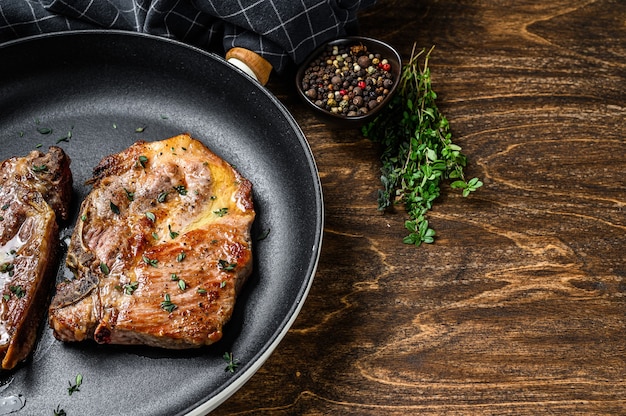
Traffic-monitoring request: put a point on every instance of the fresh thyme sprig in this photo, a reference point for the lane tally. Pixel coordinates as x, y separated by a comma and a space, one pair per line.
231, 362
418, 152
74, 387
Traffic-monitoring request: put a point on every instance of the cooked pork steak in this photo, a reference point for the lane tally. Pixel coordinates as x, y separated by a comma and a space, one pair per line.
160, 251
35, 194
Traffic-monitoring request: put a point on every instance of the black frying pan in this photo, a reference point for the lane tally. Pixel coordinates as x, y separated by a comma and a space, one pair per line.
103, 87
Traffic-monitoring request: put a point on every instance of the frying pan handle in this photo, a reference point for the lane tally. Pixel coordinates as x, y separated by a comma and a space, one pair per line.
260, 67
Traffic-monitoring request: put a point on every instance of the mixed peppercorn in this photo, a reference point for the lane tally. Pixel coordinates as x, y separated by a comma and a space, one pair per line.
347, 80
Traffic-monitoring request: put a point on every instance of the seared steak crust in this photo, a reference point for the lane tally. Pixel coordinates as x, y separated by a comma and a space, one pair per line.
160, 251
36, 192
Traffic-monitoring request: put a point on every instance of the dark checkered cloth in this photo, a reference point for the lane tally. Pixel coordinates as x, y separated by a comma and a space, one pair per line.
278, 30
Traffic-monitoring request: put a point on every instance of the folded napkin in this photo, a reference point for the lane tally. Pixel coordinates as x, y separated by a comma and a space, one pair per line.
281, 31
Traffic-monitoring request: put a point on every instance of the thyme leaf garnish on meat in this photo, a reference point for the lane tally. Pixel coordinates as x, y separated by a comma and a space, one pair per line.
7, 268
40, 168
74, 387
167, 304
231, 362
173, 234
162, 196
151, 216
224, 265
128, 288
142, 160
104, 269
114, 208
17, 290
181, 284
418, 153
149, 261
130, 195
221, 212
181, 256
181, 189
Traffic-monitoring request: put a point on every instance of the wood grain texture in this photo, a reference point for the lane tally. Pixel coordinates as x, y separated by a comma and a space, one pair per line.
520, 305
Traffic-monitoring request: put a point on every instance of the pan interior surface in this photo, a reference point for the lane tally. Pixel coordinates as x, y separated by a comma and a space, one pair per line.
95, 93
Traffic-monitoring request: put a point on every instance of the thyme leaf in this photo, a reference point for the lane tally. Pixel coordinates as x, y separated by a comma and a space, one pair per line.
114, 208
224, 265
7, 268
167, 304
104, 269
221, 212
17, 290
74, 387
231, 362
142, 160
129, 288
264, 234
181, 189
130, 195
149, 261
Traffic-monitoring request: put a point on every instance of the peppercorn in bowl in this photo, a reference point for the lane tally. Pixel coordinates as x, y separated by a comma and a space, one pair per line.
348, 81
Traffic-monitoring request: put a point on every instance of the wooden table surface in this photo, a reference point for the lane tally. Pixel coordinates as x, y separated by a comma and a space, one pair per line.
519, 307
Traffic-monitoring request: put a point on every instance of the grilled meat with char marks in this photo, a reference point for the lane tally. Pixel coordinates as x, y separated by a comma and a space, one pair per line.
160, 251
35, 195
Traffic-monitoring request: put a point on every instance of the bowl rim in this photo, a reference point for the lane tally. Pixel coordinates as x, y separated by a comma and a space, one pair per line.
341, 41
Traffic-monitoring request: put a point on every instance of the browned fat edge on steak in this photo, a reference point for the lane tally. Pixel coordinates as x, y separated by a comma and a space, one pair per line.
161, 250
35, 195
